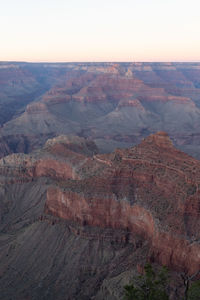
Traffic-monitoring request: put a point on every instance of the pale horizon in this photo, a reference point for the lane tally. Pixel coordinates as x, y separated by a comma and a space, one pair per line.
98, 61
99, 31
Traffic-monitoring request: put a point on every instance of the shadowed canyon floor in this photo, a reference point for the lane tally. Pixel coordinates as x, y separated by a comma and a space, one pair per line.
76, 224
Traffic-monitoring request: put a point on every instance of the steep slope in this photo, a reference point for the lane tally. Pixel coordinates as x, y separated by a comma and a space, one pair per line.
151, 190
113, 107
42, 257
76, 224
23, 83
18, 87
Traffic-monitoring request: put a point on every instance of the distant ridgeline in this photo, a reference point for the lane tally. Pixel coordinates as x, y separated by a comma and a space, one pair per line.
115, 104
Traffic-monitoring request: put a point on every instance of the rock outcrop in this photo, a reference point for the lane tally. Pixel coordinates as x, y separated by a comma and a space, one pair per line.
151, 191
76, 223
117, 105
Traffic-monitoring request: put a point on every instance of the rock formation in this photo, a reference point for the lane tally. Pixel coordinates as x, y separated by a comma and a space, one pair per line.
76, 223
117, 105
81, 222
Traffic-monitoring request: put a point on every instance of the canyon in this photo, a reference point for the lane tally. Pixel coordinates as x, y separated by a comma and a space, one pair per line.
76, 224
99, 174
115, 104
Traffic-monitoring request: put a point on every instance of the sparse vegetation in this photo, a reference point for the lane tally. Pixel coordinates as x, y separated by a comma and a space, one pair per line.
150, 286
153, 285
194, 291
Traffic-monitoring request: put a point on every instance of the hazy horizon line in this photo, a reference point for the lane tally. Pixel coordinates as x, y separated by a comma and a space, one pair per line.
103, 61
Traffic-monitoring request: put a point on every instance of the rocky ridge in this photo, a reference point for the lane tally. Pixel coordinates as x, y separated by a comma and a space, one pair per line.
146, 190
151, 191
115, 104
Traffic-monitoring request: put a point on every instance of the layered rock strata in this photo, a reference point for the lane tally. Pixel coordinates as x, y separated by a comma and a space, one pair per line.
151, 191
115, 104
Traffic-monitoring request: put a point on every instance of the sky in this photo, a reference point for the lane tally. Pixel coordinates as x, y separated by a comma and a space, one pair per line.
99, 30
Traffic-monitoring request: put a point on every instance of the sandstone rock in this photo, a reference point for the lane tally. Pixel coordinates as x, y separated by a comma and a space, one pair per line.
150, 190
86, 99
95, 220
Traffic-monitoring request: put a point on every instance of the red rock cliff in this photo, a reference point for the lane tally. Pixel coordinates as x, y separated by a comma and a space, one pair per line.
151, 190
